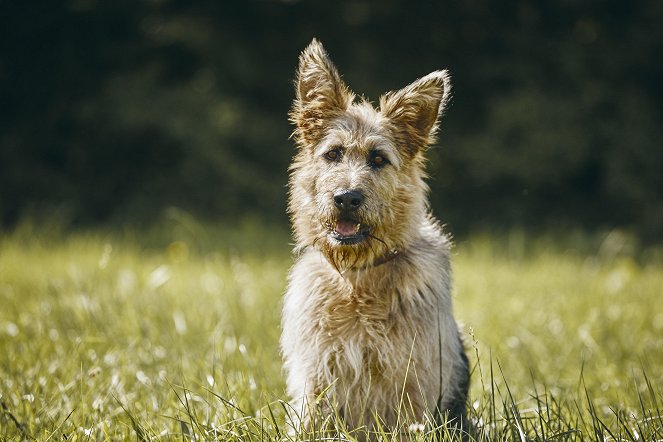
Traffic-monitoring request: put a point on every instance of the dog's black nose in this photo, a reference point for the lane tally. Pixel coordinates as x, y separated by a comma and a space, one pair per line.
348, 200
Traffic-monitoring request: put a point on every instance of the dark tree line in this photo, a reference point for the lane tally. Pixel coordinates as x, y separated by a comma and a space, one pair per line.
112, 111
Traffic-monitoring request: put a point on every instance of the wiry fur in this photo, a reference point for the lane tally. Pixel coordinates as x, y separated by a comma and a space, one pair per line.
368, 327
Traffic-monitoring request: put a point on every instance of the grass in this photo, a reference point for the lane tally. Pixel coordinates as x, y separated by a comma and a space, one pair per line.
173, 335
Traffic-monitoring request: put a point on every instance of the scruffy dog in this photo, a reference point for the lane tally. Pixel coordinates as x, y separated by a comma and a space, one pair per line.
368, 330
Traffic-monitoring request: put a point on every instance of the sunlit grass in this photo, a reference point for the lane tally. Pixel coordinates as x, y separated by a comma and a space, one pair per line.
569, 342
174, 335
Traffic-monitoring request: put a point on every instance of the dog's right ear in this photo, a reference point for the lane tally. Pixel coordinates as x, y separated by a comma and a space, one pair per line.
321, 95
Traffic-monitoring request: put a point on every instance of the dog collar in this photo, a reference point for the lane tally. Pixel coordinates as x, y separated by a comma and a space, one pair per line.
390, 256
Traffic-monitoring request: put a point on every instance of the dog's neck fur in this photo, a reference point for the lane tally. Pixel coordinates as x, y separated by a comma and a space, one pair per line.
388, 257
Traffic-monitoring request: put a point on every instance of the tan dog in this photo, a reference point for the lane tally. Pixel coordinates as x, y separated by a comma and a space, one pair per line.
368, 327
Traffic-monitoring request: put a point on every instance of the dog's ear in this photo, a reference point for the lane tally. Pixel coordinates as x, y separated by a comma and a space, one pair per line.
321, 94
416, 108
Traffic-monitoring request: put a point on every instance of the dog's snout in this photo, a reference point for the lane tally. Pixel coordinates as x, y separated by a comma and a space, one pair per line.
348, 200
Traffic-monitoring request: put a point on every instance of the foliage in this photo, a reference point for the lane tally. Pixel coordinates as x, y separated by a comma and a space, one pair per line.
118, 110
173, 335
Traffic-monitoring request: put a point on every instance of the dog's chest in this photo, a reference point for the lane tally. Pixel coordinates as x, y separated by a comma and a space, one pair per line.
358, 308
361, 332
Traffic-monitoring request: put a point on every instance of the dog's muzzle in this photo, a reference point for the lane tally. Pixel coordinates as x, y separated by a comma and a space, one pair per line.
348, 229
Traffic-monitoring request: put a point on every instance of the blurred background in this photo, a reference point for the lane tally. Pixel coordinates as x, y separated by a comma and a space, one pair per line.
113, 112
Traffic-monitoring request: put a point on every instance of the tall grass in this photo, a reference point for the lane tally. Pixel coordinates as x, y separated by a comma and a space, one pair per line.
173, 335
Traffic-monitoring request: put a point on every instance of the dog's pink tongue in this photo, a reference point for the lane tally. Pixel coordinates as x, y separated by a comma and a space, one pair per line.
347, 228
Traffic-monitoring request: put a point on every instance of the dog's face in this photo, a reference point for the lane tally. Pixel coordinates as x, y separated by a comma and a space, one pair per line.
356, 186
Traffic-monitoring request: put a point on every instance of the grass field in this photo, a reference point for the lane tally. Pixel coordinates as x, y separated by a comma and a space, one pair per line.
173, 335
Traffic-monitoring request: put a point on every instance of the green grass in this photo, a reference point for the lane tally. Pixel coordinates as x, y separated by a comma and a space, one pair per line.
173, 335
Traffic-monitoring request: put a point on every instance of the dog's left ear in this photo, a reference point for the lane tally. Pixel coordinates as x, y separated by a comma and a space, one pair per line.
321, 94
416, 108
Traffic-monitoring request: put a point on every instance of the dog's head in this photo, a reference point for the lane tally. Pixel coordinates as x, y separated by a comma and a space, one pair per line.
356, 185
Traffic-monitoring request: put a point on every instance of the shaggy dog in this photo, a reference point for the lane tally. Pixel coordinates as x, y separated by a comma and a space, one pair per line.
368, 333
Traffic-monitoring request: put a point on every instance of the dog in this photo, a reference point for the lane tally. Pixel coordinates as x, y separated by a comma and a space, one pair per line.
368, 333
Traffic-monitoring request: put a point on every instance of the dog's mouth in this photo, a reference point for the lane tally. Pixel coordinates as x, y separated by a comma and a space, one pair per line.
349, 231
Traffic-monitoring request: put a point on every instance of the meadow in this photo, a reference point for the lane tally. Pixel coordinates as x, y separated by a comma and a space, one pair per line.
172, 334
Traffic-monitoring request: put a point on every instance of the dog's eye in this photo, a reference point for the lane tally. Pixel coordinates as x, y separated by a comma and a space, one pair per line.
378, 160
333, 155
